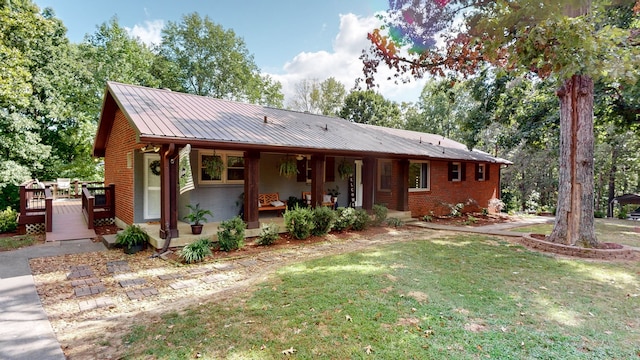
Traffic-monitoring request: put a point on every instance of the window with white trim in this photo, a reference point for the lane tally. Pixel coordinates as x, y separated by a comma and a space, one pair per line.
480, 172
455, 173
232, 168
384, 175
419, 176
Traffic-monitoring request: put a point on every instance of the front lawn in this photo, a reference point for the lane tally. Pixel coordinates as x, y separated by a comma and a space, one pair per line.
456, 297
626, 232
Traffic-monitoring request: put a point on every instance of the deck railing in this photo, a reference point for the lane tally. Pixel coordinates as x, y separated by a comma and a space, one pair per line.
98, 202
36, 206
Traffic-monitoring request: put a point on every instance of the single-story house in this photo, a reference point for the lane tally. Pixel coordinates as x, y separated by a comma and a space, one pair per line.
142, 132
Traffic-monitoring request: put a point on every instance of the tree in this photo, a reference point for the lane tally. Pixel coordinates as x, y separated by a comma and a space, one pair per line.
569, 41
326, 98
369, 107
201, 57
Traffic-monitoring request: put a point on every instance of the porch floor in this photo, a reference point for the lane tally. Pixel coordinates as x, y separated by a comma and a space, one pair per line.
210, 230
68, 222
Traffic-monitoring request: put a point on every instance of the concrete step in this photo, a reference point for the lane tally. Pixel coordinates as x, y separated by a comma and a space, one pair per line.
109, 241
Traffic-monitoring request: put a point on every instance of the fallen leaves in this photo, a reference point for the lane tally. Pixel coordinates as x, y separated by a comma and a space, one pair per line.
368, 349
289, 351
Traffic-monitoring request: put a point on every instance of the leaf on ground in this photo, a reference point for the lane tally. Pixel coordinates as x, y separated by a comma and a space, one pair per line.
348, 318
288, 351
368, 349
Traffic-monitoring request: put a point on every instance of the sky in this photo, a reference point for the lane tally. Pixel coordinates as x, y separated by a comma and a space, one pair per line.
291, 40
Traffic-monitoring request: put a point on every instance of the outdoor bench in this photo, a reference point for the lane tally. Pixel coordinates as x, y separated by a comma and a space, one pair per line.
271, 201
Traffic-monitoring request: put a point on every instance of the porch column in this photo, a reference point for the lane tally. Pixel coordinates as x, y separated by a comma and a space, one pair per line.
317, 178
251, 188
402, 186
168, 191
368, 182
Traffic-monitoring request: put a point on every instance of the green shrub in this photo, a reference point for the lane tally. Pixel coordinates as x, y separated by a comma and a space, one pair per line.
346, 217
323, 220
485, 211
427, 218
395, 222
269, 234
131, 236
622, 214
231, 234
8, 220
196, 251
598, 214
362, 220
294, 201
299, 222
379, 214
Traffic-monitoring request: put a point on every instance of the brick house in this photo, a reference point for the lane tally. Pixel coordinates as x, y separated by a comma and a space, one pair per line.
141, 131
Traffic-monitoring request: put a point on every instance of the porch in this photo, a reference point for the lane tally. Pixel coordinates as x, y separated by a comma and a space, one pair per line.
210, 229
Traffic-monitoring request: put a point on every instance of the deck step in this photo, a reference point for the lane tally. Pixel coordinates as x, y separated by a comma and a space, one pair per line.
109, 241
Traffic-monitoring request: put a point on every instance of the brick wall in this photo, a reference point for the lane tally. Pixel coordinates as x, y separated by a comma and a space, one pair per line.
118, 165
443, 192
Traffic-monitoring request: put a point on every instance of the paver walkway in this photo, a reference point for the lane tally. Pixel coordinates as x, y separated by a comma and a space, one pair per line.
25, 331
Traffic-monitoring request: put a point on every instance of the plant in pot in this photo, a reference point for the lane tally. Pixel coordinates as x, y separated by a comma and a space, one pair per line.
345, 169
334, 192
196, 217
132, 239
213, 166
288, 167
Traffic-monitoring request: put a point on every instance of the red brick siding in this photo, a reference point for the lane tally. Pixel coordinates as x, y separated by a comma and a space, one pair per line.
443, 192
122, 140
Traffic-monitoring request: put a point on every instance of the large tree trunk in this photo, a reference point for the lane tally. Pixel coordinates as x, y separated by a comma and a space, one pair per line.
574, 214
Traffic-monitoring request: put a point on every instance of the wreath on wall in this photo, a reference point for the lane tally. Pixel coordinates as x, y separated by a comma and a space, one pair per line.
155, 167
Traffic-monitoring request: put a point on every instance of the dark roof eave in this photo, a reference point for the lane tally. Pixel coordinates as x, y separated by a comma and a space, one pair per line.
237, 146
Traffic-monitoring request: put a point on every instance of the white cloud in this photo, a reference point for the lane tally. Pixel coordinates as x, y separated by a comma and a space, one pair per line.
150, 33
343, 63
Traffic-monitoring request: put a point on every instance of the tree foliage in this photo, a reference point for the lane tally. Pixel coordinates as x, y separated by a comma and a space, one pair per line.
369, 107
203, 58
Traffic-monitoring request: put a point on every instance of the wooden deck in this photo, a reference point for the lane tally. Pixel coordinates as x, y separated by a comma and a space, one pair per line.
68, 222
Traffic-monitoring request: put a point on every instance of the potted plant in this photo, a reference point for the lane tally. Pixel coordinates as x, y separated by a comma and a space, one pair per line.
213, 166
288, 167
132, 239
197, 217
345, 169
334, 192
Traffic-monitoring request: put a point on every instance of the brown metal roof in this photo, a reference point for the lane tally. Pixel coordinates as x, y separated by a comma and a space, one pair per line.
167, 116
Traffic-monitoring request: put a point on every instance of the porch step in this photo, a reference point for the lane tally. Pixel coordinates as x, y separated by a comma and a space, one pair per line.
109, 241
404, 216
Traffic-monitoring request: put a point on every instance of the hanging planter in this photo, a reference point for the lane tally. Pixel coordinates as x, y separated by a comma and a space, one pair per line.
288, 167
213, 166
345, 169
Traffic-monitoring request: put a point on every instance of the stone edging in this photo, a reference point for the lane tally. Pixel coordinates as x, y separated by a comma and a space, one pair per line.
626, 253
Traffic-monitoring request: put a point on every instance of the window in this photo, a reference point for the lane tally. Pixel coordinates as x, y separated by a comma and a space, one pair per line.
456, 171
419, 176
482, 172
384, 175
231, 165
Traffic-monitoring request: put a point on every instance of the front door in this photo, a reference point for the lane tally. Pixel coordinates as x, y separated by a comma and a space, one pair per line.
151, 186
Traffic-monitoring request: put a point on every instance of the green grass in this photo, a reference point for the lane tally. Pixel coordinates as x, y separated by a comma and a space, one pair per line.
626, 232
463, 297
15, 242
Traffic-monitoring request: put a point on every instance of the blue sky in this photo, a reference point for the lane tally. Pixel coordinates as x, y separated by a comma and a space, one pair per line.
290, 40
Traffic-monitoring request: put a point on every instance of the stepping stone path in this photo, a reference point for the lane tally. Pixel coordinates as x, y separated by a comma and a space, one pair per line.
79, 272
132, 282
118, 266
140, 293
95, 303
224, 266
169, 276
216, 278
248, 262
183, 284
